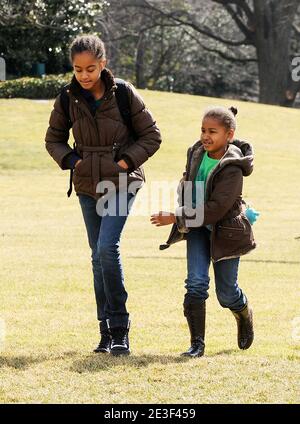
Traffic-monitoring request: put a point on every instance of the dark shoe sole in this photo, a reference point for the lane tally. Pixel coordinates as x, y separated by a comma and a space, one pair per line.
120, 352
189, 355
101, 351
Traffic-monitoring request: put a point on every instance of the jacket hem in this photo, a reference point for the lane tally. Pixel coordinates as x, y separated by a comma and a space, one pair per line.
83, 192
180, 220
234, 256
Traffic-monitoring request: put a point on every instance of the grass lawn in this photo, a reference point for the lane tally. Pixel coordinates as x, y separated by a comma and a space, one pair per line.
46, 296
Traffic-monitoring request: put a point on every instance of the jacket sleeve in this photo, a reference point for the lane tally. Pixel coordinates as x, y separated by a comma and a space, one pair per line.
221, 200
149, 137
57, 135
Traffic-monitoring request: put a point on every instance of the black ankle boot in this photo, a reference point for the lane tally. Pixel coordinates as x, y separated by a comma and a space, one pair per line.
244, 319
105, 340
120, 340
195, 315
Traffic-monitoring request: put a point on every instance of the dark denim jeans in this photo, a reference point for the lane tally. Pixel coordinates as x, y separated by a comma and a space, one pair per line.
104, 235
226, 272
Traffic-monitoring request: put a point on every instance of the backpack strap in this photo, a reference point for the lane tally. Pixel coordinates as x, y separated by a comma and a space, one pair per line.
65, 103
122, 97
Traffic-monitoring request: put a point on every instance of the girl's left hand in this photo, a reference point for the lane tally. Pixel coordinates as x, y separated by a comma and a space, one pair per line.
163, 218
122, 164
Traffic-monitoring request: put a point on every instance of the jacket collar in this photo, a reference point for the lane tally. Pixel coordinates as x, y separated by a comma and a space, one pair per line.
106, 76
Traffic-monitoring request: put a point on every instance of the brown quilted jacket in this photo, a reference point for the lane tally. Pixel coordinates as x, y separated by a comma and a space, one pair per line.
231, 234
101, 140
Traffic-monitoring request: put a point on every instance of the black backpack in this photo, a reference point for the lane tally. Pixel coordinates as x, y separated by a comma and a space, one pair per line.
122, 98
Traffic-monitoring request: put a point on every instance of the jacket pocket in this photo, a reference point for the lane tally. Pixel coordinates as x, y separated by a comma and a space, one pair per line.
230, 233
109, 166
119, 169
84, 168
82, 175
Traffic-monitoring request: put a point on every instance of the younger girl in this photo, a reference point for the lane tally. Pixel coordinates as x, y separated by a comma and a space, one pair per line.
224, 233
108, 147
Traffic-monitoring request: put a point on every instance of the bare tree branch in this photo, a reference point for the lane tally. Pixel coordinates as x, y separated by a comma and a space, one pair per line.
189, 21
245, 30
221, 53
242, 4
296, 29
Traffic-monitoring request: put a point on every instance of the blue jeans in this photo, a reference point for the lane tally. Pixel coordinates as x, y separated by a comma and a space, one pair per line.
104, 233
226, 272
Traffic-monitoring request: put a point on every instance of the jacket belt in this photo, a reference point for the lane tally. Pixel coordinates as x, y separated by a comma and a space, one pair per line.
100, 149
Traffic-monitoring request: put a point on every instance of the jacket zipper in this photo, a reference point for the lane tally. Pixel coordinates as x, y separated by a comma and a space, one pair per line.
211, 176
84, 107
188, 169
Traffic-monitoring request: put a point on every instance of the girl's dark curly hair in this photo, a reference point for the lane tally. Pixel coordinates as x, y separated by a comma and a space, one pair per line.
88, 43
226, 117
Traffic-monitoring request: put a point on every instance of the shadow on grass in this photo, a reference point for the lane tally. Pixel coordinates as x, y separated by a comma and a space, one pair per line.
264, 261
21, 362
100, 362
224, 352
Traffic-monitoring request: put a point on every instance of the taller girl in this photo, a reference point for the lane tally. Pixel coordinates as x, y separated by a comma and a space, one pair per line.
107, 145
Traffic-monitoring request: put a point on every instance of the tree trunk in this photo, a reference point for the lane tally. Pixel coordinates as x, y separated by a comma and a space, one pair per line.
274, 19
140, 62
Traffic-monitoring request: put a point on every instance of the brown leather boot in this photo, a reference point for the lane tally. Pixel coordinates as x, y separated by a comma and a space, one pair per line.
195, 315
244, 319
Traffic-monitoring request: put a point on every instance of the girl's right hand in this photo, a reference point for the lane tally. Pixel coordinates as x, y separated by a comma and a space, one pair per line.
163, 218
79, 160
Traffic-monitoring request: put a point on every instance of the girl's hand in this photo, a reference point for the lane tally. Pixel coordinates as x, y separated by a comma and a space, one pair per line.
163, 218
122, 164
79, 160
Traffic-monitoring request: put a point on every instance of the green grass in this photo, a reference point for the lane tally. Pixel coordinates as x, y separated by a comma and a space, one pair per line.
46, 294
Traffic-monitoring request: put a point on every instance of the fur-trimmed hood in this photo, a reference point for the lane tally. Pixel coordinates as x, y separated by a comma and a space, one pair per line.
239, 153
